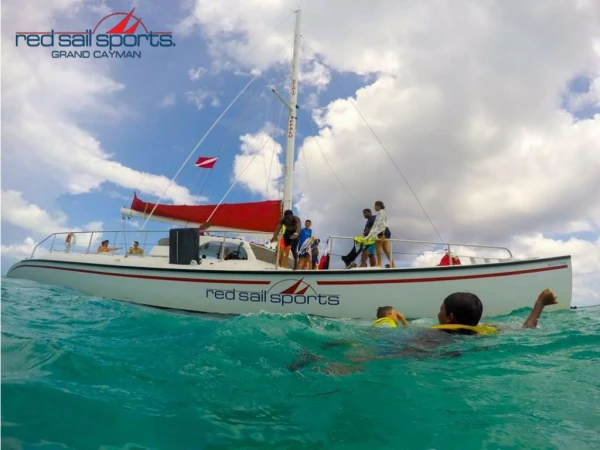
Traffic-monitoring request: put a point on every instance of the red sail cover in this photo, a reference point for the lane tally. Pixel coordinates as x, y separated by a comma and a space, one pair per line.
252, 216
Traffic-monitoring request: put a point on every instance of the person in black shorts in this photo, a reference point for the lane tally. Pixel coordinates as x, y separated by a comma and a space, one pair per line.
293, 225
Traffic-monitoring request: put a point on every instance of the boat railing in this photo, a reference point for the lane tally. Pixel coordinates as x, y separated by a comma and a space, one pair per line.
89, 241
152, 243
471, 253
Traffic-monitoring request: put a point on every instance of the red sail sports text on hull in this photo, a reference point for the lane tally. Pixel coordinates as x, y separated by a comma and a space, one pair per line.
252, 216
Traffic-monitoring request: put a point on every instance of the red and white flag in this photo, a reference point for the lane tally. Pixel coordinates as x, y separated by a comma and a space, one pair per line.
206, 162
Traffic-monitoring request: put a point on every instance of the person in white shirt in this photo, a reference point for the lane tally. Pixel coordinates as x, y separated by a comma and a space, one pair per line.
382, 232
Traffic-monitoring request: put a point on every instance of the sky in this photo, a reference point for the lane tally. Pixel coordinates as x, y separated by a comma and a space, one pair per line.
489, 110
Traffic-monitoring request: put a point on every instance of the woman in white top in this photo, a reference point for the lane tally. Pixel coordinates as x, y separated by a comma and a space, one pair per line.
381, 231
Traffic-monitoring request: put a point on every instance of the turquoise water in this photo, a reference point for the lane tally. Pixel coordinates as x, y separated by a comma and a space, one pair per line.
81, 372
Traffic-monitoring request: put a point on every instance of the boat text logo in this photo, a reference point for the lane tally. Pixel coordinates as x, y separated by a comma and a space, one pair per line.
117, 35
284, 292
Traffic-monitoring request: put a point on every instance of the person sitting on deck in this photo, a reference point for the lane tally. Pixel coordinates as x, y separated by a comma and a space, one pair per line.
135, 249
293, 226
104, 248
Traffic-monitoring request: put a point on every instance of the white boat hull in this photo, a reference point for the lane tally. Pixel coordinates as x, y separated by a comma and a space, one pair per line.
224, 289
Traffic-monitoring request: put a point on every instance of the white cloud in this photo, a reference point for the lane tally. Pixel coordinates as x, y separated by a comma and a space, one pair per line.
195, 73
200, 96
315, 74
466, 97
40, 223
17, 252
48, 146
585, 260
168, 100
258, 165
19, 212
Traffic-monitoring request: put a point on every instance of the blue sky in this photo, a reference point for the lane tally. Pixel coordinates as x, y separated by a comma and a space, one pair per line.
477, 133
157, 139
152, 137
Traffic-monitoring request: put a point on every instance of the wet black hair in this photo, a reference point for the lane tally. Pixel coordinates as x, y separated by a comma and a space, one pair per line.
465, 307
383, 311
288, 212
367, 210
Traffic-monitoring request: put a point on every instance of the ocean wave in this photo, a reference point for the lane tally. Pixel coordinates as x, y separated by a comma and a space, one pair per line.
83, 372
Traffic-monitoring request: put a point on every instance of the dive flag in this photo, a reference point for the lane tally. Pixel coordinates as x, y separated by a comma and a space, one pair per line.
206, 162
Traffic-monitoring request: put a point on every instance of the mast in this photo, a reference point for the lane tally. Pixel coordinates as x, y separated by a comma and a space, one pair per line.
292, 117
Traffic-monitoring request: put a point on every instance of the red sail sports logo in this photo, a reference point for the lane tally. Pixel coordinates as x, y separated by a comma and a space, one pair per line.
284, 292
117, 35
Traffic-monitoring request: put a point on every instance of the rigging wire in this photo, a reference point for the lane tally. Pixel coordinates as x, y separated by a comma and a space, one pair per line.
277, 124
237, 179
378, 140
342, 184
268, 117
227, 137
198, 145
329, 165
257, 75
260, 41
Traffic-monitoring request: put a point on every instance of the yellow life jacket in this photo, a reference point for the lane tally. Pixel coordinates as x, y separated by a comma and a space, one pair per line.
361, 240
477, 329
385, 320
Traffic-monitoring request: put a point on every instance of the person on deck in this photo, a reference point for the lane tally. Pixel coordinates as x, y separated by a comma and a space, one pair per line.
284, 250
369, 250
104, 248
293, 226
382, 232
305, 240
314, 250
135, 249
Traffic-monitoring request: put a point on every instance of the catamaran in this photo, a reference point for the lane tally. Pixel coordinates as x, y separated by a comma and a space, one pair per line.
223, 271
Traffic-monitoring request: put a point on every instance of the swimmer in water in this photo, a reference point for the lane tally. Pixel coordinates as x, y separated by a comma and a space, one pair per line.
388, 317
459, 314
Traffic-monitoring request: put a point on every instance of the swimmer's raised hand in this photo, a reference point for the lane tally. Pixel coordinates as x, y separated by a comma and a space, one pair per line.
547, 298
400, 317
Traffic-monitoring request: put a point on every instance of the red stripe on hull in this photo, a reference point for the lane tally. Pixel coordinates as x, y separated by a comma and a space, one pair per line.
147, 277
322, 283
433, 279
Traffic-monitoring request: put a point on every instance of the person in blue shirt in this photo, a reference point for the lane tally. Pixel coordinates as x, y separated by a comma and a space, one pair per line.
304, 246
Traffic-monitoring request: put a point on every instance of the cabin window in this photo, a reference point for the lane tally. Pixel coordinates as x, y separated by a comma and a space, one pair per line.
212, 250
